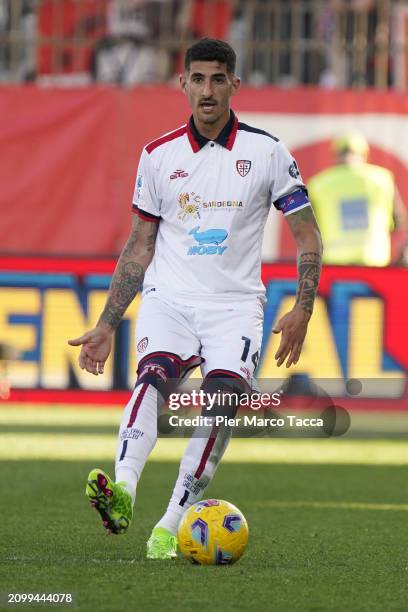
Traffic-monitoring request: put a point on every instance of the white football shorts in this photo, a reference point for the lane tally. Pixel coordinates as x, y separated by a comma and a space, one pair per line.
219, 336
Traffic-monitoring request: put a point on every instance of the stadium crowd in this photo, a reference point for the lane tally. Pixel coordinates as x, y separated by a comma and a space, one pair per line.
332, 43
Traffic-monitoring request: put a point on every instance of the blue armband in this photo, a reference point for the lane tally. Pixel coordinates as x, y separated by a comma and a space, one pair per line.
292, 201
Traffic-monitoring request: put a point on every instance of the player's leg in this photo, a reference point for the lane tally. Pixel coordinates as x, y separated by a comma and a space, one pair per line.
231, 340
137, 437
205, 449
164, 331
198, 465
156, 377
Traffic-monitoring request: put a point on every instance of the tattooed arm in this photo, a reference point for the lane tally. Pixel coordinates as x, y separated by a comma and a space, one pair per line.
130, 270
127, 280
293, 325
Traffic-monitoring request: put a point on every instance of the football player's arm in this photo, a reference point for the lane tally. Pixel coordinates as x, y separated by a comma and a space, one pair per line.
293, 325
126, 281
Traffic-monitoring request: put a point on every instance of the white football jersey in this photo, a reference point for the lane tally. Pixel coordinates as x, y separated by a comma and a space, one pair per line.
211, 199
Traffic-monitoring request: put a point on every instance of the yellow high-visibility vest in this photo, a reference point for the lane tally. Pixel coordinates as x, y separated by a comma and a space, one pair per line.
354, 209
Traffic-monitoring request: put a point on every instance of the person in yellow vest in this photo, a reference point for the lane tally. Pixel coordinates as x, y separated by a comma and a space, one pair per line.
357, 206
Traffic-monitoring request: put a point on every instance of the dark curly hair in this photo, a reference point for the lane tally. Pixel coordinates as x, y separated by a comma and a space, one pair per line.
209, 50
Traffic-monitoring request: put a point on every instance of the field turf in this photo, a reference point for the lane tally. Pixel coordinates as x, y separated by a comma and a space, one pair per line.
328, 522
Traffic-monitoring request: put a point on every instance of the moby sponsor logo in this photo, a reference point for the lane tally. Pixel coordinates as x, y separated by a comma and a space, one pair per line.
208, 241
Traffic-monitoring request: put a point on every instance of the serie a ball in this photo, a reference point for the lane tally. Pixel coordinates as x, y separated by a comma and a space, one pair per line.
213, 532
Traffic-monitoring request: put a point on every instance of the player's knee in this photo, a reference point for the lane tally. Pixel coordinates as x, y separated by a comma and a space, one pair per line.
224, 381
160, 371
224, 391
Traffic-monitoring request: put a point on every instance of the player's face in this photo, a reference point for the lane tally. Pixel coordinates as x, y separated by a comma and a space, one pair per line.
209, 88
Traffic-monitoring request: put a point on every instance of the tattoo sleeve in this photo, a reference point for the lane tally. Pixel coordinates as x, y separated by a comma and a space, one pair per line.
307, 236
309, 267
128, 277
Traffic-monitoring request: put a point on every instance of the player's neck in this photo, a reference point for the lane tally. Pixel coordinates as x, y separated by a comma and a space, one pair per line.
211, 130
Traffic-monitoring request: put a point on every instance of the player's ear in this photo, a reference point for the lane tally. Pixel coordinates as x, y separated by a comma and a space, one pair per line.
236, 84
183, 82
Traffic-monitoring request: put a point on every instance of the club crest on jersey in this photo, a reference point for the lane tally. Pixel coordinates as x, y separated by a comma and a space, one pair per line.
190, 205
178, 174
208, 241
243, 166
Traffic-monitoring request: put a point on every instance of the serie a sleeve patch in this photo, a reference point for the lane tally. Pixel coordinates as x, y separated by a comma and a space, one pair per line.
288, 203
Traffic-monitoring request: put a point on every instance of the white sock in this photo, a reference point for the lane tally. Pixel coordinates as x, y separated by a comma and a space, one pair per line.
171, 519
129, 478
197, 468
137, 435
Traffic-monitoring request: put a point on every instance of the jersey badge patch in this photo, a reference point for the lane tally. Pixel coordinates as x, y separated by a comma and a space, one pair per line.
243, 166
293, 170
139, 185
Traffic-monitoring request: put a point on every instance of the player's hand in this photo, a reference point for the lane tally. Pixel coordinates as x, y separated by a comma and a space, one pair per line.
95, 348
293, 327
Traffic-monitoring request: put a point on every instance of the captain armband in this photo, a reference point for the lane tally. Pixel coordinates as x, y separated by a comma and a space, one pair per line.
293, 201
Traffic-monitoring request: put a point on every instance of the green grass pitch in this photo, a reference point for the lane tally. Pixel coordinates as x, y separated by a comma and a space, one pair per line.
326, 534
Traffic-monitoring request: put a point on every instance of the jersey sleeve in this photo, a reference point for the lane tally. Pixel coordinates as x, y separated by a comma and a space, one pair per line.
288, 192
145, 200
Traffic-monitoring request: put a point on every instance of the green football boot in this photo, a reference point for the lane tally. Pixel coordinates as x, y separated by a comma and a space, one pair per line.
111, 500
162, 544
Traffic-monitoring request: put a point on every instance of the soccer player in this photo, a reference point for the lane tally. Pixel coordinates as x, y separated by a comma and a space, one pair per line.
202, 196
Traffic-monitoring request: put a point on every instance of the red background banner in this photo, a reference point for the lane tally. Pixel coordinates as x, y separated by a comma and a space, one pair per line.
69, 157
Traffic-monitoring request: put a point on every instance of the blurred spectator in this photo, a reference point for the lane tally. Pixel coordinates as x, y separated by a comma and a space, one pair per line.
68, 31
103, 39
127, 18
197, 19
204, 18
125, 56
276, 41
17, 59
239, 34
357, 206
352, 34
128, 61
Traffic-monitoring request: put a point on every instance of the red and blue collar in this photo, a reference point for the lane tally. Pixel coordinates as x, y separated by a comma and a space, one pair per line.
225, 138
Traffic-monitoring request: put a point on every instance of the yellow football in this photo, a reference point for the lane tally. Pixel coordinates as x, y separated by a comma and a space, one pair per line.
213, 532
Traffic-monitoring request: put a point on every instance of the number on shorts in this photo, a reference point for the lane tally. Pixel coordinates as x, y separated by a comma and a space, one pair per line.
247, 344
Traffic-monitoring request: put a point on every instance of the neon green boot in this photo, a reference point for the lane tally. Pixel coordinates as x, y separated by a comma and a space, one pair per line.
162, 544
111, 500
